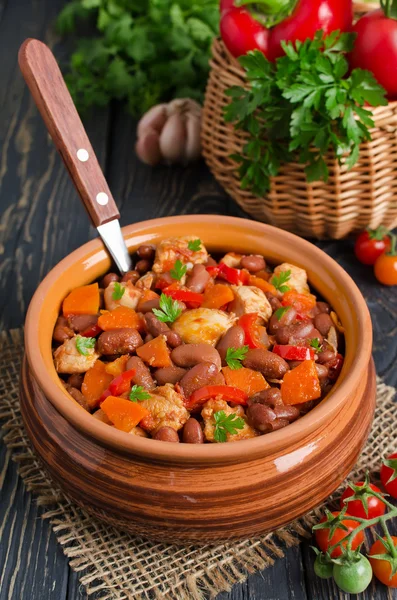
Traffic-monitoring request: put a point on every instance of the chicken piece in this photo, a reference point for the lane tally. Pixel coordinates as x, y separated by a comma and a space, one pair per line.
250, 299
298, 277
138, 431
166, 408
215, 405
203, 325
231, 259
130, 297
68, 359
170, 250
146, 281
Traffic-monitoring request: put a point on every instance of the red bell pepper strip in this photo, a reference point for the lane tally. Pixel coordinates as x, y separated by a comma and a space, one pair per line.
184, 296
272, 21
294, 352
92, 331
119, 385
231, 275
249, 322
227, 392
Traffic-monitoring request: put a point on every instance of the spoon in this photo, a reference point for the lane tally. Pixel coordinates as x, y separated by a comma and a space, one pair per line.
44, 79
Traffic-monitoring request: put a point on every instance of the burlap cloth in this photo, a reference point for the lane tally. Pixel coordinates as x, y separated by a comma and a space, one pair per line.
116, 565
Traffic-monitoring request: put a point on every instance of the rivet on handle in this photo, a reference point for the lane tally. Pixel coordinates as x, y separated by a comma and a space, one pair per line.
102, 198
82, 155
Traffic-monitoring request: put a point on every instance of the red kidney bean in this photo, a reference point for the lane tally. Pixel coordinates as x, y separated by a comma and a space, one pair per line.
278, 424
270, 396
273, 301
62, 331
260, 416
211, 262
269, 364
166, 434
316, 335
294, 363
291, 413
322, 372
143, 266
192, 432
109, 278
148, 338
199, 376
298, 330
253, 263
323, 323
145, 251
156, 328
149, 305
132, 276
323, 307
119, 341
286, 319
169, 375
80, 323
166, 279
142, 375
189, 355
77, 395
233, 338
325, 356
76, 380
198, 279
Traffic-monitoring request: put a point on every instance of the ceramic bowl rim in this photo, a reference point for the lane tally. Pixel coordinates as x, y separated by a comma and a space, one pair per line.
209, 453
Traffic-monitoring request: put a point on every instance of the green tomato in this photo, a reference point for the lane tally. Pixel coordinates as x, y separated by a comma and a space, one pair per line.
322, 569
355, 577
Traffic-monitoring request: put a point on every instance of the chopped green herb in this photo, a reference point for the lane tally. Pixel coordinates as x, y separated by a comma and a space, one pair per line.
234, 356
281, 311
138, 393
169, 309
315, 344
83, 344
280, 280
118, 291
225, 424
178, 271
194, 245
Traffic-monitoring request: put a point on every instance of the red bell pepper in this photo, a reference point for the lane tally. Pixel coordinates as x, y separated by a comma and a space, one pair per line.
227, 392
249, 322
92, 331
272, 21
191, 298
119, 385
294, 352
229, 274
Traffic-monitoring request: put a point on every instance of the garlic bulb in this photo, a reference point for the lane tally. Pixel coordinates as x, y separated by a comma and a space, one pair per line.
170, 133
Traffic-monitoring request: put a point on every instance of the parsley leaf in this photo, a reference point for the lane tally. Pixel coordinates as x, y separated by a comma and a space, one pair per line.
234, 356
118, 291
280, 280
225, 424
300, 108
83, 344
178, 271
281, 311
194, 245
315, 344
138, 393
169, 309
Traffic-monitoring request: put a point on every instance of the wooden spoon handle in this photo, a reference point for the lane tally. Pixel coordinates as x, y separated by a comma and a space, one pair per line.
46, 84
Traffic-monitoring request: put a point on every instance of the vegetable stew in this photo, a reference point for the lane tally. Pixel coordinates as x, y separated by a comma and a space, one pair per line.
189, 348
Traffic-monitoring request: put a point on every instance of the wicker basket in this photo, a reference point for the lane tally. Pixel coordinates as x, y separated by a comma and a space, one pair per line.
350, 200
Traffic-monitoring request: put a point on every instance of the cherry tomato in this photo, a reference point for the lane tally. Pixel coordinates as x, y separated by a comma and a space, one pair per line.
382, 568
385, 268
355, 577
376, 507
370, 244
324, 543
321, 568
388, 475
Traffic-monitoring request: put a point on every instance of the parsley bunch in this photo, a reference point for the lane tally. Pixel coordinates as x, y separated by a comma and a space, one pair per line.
146, 51
300, 107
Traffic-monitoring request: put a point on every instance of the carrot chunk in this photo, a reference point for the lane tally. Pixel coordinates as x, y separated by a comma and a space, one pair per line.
120, 317
96, 381
301, 384
262, 284
83, 300
123, 413
155, 353
303, 303
251, 382
118, 366
217, 295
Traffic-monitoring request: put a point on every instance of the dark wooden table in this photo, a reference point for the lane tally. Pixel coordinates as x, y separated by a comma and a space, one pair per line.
41, 221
